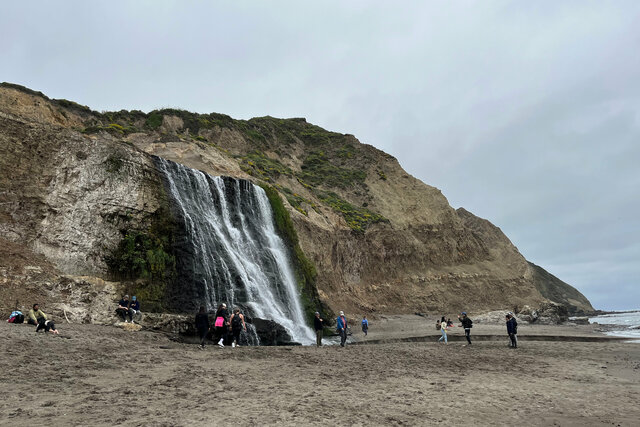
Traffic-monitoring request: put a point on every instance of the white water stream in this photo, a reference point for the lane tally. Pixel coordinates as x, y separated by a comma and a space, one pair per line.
236, 253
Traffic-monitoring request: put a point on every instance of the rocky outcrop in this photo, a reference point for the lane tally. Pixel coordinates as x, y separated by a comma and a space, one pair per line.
271, 333
560, 292
381, 241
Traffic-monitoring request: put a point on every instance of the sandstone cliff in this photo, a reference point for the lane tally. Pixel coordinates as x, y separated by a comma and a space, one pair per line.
73, 182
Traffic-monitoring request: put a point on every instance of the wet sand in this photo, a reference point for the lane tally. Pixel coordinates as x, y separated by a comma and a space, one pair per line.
103, 375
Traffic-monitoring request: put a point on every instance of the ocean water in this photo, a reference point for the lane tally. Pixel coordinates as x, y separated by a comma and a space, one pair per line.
629, 324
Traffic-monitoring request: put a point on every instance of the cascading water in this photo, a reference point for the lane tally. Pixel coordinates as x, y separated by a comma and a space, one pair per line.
230, 251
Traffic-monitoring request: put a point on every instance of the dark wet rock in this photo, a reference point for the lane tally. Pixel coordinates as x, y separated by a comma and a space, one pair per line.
271, 333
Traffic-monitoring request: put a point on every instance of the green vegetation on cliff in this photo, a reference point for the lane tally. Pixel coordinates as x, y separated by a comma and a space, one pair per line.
259, 165
145, 258
358, 219
317, 169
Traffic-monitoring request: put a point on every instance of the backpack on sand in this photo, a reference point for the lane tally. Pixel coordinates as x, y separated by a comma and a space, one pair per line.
16, 317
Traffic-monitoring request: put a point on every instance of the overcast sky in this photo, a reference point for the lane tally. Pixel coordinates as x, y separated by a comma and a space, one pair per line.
524, 113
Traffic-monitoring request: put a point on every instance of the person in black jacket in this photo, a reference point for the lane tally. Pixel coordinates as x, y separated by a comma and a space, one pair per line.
202, 326
467, 324
318, 326
512, 329
237, 326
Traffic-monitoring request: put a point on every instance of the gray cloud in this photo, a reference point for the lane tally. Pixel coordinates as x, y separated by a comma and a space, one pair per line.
525, 114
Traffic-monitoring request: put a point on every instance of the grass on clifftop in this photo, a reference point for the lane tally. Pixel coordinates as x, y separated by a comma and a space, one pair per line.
332, 162
317, 169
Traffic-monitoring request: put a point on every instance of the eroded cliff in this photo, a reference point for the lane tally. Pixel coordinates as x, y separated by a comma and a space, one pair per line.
381, 241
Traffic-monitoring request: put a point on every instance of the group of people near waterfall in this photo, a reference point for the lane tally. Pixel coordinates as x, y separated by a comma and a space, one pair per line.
228, 327
342, 328
225, 326
232, 326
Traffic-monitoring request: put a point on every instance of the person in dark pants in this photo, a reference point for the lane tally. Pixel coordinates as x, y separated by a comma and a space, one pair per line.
35, 315
237, 326
467, 324
341, 327
512, 329
318, 326
134, 309
38, 318
123, 309
202, 326
365, 325
222, 324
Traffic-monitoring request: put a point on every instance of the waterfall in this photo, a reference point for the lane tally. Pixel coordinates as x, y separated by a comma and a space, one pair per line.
229, 250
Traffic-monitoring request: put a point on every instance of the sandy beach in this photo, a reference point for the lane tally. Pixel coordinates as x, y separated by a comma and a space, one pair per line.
103, 375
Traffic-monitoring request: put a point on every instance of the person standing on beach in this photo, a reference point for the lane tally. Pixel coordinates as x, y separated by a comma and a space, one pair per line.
443, 330
318, 326
237, 326
341, 327
222, 324
512, 329
202, 325
365, 325
467, 324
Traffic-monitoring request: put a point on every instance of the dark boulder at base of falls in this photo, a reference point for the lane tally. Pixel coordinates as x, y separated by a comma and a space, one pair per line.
272, 333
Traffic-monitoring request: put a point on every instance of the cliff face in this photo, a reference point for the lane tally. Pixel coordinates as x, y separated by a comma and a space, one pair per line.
382, 241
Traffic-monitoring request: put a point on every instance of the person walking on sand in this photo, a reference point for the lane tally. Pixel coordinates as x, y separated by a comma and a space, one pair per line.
512, 329
365, 325
237, 326
467, 324
443, 330
222, 324
202, 325
318, 325
341, 327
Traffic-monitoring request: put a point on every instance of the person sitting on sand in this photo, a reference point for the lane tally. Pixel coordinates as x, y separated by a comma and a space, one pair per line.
134, 309
202, 325
341, 328
38, 318
467, 324
449, 323
512, 329
443, 330
237, 326
123, 309
365, 325
318, 326
222, 324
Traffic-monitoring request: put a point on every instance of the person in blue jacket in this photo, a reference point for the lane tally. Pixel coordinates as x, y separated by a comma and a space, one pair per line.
341, 328
365, 325
134, 309
512, 329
